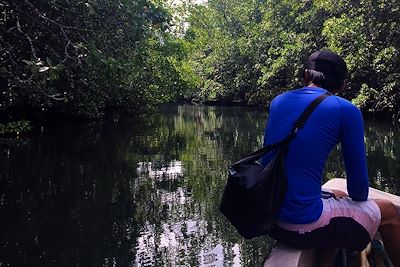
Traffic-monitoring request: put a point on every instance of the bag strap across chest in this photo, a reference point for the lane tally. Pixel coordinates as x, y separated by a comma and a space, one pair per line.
298, 124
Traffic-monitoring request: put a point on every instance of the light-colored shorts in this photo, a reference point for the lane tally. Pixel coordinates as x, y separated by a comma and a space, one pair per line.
344, 223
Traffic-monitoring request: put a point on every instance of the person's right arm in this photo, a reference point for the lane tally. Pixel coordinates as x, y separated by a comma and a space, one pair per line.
353, 149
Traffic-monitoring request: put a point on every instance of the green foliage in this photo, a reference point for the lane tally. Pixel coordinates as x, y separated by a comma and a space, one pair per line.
250, 51
15, 127
83, 57
368, 35
365, 96
80, 57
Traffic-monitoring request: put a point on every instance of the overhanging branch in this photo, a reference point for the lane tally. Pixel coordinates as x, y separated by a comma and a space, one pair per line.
26, 35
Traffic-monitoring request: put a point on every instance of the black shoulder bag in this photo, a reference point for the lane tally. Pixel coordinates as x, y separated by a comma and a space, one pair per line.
254, 193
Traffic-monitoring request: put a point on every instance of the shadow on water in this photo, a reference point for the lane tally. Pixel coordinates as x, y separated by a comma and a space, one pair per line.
142, 193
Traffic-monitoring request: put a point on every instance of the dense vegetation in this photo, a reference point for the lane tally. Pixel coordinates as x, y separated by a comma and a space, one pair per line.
250, 50
84, 57
80, 57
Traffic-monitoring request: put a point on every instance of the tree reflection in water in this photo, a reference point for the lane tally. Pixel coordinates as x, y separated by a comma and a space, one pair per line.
129, 193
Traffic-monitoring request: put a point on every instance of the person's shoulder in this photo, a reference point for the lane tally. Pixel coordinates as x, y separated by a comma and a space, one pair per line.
275, 101
351, 114
280, 97
346, 104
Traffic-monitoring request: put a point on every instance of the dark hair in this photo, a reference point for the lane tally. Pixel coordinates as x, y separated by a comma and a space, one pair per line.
326, 69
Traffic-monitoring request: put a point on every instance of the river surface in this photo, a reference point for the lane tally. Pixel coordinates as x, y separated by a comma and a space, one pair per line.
124, 192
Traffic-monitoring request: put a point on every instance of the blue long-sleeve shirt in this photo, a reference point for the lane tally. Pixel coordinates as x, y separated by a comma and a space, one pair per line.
334, 120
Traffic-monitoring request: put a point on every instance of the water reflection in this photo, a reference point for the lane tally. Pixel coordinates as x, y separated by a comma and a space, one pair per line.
130, 193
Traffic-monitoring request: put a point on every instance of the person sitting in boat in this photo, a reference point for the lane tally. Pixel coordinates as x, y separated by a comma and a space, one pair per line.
307, 217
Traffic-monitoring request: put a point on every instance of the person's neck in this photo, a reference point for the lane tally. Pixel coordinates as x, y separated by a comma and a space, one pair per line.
313, 85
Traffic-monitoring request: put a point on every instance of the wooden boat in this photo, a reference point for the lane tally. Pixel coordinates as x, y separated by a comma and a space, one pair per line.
282, 255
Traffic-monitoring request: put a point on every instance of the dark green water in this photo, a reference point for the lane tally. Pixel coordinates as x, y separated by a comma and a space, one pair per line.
126, 193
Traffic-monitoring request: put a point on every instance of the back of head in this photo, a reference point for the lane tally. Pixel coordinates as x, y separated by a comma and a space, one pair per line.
326, 69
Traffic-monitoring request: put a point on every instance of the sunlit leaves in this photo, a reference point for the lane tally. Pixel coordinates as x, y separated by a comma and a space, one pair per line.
368, 35
93, 55
15, 127
258, 47
109, 52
